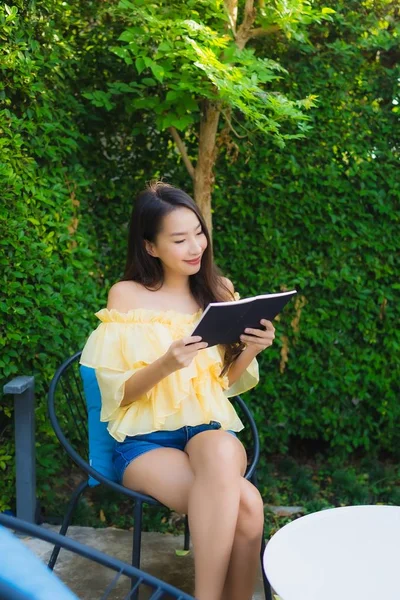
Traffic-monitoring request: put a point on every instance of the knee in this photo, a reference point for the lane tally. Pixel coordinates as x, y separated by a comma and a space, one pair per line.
219, 455
224, 457
227, 451
250, 523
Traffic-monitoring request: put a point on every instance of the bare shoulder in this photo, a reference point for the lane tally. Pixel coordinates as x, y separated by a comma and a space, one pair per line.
227, 285
124, 296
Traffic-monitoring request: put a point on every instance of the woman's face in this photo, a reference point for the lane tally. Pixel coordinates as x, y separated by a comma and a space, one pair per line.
181, 242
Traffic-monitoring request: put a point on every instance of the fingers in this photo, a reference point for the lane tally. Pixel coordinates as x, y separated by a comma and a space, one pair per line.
193, 339
259, 337
196, 347
267, 324
190, 346
268, 332
258, 341
257, 332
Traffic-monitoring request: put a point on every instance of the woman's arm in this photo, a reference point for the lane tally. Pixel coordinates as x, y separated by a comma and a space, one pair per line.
144, 380
240, 365
178, 355
256, 341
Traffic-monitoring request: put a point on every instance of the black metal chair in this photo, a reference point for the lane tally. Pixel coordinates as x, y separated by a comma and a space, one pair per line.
68, 416
18, 590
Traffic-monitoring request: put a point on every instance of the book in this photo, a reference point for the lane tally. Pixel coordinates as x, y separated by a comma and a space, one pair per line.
225, 322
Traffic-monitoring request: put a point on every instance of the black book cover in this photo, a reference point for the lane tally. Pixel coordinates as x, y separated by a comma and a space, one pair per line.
224, 322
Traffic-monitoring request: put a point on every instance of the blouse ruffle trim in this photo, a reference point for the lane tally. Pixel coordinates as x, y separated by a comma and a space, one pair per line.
146, 315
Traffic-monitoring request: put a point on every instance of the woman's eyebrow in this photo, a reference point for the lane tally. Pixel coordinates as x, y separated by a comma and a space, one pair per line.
184, 232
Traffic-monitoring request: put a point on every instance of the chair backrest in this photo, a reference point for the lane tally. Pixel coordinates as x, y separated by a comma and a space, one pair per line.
74, 404
101, 443
25, 577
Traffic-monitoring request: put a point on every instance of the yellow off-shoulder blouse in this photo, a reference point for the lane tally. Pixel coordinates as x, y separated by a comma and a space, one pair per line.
197, 394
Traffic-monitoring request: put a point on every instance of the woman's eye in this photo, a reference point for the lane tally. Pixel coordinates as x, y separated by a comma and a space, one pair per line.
180, 242
201, 233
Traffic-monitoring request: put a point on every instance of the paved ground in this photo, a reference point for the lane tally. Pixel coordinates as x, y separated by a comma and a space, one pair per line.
89, 580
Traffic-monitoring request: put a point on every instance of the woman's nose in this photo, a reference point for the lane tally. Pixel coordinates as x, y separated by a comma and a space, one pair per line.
195, 247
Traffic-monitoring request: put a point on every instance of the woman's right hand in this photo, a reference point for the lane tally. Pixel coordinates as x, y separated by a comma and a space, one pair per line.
181, 353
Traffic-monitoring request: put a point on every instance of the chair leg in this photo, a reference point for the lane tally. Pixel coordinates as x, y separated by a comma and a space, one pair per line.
267, 587
137, 541
67, 518
38, 513
186, 544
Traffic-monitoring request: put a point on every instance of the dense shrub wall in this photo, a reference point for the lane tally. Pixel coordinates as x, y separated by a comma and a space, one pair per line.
67, 175
46, 237
323, 216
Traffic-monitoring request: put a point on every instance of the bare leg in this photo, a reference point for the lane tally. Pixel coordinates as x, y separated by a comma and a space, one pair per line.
218, 460
167, 475
245, 557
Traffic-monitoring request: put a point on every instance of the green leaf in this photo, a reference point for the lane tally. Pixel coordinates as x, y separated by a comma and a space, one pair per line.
173, 95
140, 64
149, 81
165, 47
157, 71
122, 52
182, 552
128, 35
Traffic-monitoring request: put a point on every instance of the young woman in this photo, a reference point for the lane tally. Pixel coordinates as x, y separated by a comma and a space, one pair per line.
165, 393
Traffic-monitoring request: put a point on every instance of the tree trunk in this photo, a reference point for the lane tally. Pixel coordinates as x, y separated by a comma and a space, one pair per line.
207, 154
203, 174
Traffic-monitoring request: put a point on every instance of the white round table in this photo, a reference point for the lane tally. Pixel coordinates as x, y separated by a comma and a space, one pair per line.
349, 553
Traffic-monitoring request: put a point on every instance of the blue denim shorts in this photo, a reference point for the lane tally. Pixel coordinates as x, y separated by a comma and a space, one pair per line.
136, 445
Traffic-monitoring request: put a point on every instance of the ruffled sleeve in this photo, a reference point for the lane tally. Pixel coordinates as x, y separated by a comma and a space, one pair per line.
248, 379
110, 351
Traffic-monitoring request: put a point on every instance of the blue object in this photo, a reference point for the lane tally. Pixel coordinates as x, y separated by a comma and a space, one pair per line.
134, 446
25, 574
101, 443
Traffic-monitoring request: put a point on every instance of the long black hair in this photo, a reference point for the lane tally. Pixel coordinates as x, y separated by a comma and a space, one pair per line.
150, 207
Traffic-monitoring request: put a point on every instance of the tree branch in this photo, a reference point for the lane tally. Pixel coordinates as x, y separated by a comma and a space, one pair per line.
243, 33
259, 31
249, 14
248, 9
183, 152
231, 7
231, 127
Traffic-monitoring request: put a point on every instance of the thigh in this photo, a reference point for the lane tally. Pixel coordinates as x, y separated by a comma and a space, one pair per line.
216, 449
165, 474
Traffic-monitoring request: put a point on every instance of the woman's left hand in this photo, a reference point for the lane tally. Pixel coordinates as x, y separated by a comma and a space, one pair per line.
259, 339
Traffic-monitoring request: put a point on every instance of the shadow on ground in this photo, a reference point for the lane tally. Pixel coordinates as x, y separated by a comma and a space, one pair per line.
89, 580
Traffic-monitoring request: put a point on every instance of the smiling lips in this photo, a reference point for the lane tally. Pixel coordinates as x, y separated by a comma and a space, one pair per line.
193, 262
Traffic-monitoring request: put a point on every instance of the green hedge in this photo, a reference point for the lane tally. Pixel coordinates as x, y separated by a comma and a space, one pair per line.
49, 274
323, 217
67, 185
